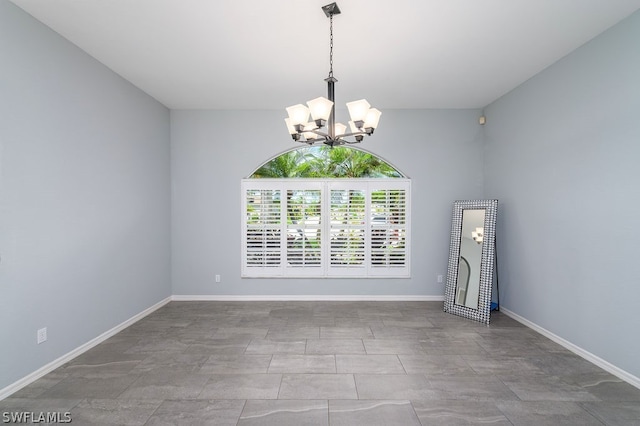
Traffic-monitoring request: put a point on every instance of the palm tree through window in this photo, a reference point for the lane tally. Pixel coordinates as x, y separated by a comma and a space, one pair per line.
326, 162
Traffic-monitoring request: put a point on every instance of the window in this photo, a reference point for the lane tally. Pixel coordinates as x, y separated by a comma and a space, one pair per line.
325, 227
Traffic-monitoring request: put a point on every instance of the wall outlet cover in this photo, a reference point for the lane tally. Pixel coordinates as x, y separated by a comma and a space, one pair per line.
42, 335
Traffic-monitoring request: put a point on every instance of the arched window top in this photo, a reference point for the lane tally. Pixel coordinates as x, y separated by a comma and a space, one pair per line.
326, 162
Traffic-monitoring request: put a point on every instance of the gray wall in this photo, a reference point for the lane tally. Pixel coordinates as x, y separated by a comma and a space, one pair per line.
562, 156
84, 197
441, 151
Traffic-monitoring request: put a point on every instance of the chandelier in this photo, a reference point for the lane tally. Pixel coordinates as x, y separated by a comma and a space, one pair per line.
322, 128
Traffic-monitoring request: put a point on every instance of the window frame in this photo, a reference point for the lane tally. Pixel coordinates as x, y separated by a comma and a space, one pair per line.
325, 269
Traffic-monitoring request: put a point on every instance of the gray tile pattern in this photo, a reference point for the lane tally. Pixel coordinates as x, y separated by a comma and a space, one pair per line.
328, 363
284, 413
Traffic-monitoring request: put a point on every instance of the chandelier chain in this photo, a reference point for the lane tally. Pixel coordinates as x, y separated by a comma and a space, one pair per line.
331, 45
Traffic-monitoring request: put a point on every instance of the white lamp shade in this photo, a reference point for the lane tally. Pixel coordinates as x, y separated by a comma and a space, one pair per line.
353, 127
298, 114
372, 118
290, 127
358, 109
310, 135
320, 108
340, 129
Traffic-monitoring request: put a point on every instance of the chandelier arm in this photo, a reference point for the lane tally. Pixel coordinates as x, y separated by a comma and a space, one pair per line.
346, 135
317, 132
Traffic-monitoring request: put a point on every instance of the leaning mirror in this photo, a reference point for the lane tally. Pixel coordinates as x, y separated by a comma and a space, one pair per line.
471, 259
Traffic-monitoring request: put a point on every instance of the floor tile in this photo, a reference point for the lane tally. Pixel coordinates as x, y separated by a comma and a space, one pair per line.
266, 346
563, 364
109, 412
197, 412
604, 386
37, 405
474, 388
547, 389
97, 362
392, 346
614, 413
314, 364
453, 346
399, 332
394, 386
242, 386
508, 346
104, 387
411, 322
293, 332
291, 311
228, 345
243, 332
436, 365
547, 413
369, 364
459, 413
157, 344
372, 413
161, 384
318, 386
345, 333
236, 364
284, 413
334, 346
358, 322
501, 365
176, 362
37, 388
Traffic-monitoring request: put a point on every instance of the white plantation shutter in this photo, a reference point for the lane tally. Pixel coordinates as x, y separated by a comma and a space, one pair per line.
262, 231
326, 227
388, 227
304, 229
348, 231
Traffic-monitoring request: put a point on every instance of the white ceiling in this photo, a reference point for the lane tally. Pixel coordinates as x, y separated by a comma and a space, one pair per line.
257, 54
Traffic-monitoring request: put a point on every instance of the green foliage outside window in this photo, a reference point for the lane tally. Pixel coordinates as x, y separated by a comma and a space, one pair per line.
326, 162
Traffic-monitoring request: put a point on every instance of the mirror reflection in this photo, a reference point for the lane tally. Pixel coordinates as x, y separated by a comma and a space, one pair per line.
468, 280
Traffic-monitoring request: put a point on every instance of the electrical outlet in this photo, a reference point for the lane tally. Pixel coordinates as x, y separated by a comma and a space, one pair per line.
440, 277
42, 335
217, 278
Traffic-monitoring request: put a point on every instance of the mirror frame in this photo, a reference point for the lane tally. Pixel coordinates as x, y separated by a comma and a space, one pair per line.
487, 263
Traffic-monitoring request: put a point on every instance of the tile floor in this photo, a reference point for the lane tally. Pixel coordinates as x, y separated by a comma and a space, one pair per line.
328, 363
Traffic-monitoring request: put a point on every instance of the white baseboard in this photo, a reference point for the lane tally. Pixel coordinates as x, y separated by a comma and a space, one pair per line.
607, 366
14, 387
306, 298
